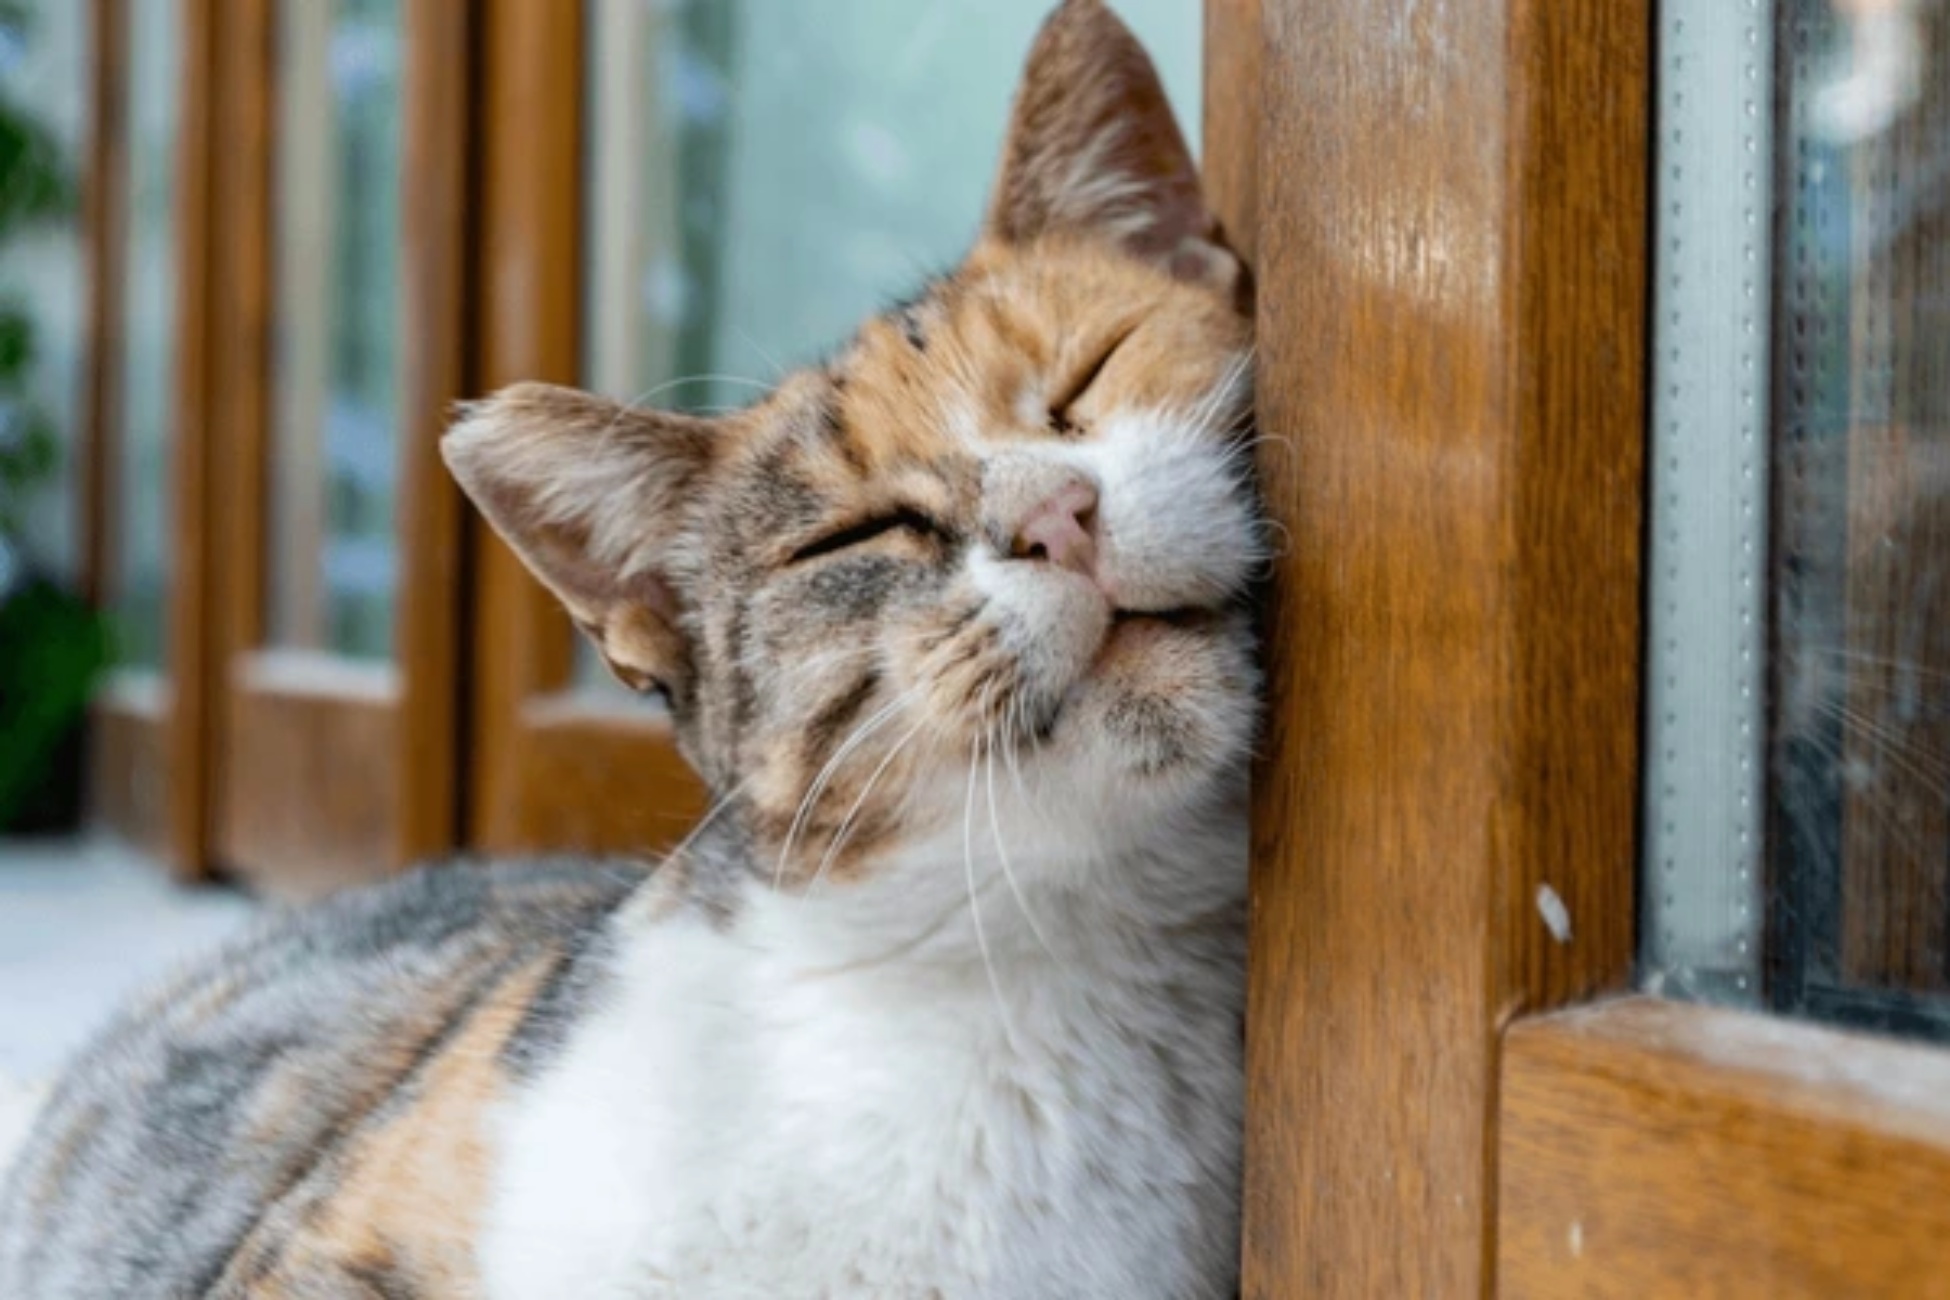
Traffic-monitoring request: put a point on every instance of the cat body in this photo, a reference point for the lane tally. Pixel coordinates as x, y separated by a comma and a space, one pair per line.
943, 996
870, 1121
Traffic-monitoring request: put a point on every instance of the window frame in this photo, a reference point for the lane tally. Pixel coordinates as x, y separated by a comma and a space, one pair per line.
147, 768
1455, 662
204, 764
386, 733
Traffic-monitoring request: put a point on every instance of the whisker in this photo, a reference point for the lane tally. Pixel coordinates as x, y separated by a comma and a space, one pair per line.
1886, 748
1891, 737
764, 356
1895, 662
743, 380
1002, 856
826, 774
975, 907
704, 822
846, 823
624, 408
1012, 757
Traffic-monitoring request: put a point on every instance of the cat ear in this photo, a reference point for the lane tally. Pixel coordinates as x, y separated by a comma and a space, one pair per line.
1094, 150
589, 494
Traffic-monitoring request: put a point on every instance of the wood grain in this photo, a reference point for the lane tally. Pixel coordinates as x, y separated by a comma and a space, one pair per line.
437, 196
1656, 1149
547, 771
244, 321
192, 608
1451, 258
242, 328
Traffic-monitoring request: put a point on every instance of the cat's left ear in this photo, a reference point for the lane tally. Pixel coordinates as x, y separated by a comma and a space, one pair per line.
1094, 150
591, 495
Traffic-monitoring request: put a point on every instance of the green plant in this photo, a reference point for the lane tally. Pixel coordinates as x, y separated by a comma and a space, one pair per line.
53, 647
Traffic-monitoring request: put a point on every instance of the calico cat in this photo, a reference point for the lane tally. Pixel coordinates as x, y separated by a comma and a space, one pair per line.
943, 997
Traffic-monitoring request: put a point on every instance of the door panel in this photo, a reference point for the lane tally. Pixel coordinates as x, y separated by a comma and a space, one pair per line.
342, 315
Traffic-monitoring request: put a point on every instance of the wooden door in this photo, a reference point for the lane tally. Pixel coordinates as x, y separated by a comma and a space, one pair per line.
142, 502
338, 321
1453, 1090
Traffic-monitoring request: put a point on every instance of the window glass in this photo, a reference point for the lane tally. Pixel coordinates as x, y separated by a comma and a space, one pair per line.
1860, 753
1798, 666
139, 510
335, 457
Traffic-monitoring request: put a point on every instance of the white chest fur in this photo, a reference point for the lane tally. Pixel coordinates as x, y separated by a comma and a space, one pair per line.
732, 1124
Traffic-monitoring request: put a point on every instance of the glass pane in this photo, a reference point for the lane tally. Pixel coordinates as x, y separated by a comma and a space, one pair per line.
1861, 748
335, 458
44, 60
1798, 721
140, 515
765, 173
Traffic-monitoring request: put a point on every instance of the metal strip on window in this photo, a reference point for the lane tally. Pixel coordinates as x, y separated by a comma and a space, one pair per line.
1706, 626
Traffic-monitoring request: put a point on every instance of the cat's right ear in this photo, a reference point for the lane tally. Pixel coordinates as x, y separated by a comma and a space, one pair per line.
589, 494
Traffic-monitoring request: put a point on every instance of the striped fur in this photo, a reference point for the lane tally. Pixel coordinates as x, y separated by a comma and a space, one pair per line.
943, 998
220, 1136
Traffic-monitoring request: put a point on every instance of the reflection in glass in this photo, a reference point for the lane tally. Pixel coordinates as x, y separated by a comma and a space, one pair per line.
1861, 746
42, 269
765, 173
139, 518
334, 459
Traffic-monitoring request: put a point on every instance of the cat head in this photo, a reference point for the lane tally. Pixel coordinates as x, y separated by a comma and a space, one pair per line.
1004, 538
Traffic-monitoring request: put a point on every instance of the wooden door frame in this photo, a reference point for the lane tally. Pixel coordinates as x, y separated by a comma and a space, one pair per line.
325, 773
553, 766
1449, 212
147, 768
1450, 231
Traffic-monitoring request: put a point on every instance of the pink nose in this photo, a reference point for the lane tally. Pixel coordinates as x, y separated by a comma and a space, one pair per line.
1060, 529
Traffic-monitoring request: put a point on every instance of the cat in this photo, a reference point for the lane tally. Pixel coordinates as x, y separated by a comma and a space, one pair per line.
943, 997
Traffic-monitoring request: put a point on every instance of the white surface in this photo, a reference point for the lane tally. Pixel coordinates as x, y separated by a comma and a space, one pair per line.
81, 927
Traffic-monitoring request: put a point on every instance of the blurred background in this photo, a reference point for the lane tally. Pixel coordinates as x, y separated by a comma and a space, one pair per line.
253, 649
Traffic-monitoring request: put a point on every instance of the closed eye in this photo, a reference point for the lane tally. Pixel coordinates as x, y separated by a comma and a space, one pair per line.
1073, 392
867, 530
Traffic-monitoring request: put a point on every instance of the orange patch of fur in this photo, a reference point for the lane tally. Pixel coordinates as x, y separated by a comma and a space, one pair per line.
408, 1203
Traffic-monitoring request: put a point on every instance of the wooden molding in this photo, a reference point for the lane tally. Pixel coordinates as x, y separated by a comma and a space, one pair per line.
192, 718
1451, 240
438, 199
1651, 1148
